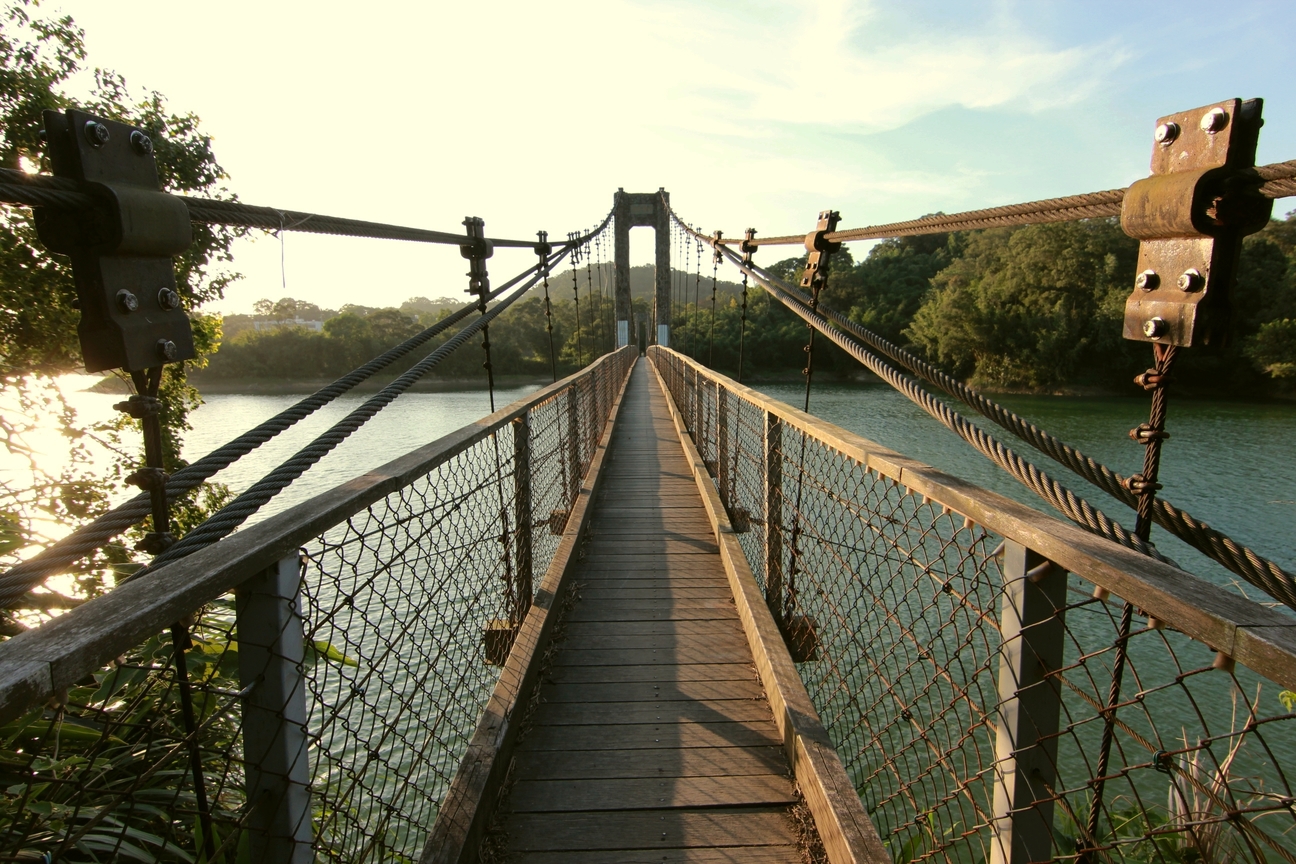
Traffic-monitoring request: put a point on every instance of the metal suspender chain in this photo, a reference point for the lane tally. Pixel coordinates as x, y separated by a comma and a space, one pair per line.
715, 273
542, 250
1190, 217
748, 249
477, 250
576, 257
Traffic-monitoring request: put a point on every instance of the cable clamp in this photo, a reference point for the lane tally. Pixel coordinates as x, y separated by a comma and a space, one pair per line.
139, 406
1145, 434
1152, 379
1140, 485
148, 479
156, 542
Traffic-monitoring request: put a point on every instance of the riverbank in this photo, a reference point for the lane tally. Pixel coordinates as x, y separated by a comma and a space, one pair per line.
288, 387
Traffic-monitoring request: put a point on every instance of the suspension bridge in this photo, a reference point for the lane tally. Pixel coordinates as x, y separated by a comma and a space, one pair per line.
648, 613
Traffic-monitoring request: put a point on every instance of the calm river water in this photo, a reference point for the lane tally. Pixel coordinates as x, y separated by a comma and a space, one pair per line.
1231, 464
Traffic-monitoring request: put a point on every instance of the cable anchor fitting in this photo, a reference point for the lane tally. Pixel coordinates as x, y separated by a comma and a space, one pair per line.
477, 250
1140, 485
820, 250
748, 246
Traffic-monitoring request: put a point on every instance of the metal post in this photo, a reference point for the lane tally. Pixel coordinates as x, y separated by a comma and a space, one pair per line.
271, 657
774, 514
573, 448
1033, 628
662, 226
699, 430
522, 511
722, 443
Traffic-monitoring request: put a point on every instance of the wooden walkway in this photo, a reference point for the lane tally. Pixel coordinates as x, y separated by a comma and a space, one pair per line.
654, 740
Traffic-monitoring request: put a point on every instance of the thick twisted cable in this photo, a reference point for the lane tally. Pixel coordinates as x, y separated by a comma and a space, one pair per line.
1265, 574
1261, 572
1279, 182
1072, 506
235, 513
26, 575
42, 190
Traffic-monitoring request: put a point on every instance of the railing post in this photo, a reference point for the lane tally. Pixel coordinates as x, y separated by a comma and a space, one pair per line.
722, 443
522, 510
573, 447
271, 657
774, 514
699, 429
1032, 625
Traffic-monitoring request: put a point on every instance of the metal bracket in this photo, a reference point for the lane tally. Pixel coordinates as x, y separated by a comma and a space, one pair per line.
717, 256
477, 250
131, 316
816, 271
1191, 215
748, 247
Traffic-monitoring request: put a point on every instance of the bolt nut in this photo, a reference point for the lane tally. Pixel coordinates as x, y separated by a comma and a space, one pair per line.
167, 349
96, 133
1214, 121
1148, 280
126, 301
1191, 280
141, 143
1154, 328
168, 299
1166, 133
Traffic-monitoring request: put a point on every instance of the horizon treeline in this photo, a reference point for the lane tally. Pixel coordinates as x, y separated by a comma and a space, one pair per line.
1035, 309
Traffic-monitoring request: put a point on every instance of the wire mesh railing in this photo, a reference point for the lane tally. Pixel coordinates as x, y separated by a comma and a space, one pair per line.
337, 658
960, 650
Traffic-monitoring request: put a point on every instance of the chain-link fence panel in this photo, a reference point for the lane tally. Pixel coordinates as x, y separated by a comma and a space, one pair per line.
324, 705
970, 685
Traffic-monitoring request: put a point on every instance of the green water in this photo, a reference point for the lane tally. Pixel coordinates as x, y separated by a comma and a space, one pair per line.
1230, 464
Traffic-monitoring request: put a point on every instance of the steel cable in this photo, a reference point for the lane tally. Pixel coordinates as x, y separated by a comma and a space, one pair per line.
1239, 559
1074, 507
235, 513
30, 573
1265, 574
1279, 182
42, 190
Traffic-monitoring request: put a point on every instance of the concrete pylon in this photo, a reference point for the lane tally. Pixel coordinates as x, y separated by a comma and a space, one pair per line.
647, 210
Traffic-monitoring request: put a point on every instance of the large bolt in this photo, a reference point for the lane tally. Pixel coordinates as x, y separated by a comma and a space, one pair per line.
167, 349
1154, 328
96, 133
1166, 133
1214, 120
126, 301
141, 143
168, 299
1148, 280
1191, 280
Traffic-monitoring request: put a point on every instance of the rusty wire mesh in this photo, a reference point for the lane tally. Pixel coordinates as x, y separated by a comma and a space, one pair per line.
895, 606
393, 609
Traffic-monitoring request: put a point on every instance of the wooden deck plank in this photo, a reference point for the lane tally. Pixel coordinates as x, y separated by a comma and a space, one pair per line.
625, 693
639, 793
612, 674
662, 829
652, 740
616, 714
689, 762
731, 855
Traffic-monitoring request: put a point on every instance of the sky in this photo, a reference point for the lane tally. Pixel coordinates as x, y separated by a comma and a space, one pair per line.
530, 115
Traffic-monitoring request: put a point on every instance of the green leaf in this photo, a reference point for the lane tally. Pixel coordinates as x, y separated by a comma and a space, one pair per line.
315, 649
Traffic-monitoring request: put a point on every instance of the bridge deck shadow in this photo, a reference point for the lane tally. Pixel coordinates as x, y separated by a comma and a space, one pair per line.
653, 740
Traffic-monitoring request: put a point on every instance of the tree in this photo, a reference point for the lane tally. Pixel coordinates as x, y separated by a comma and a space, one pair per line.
38, 314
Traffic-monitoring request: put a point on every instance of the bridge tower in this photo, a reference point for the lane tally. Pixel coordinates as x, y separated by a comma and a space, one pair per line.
650, 210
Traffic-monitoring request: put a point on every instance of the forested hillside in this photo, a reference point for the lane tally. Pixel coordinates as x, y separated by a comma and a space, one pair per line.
1033, 309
